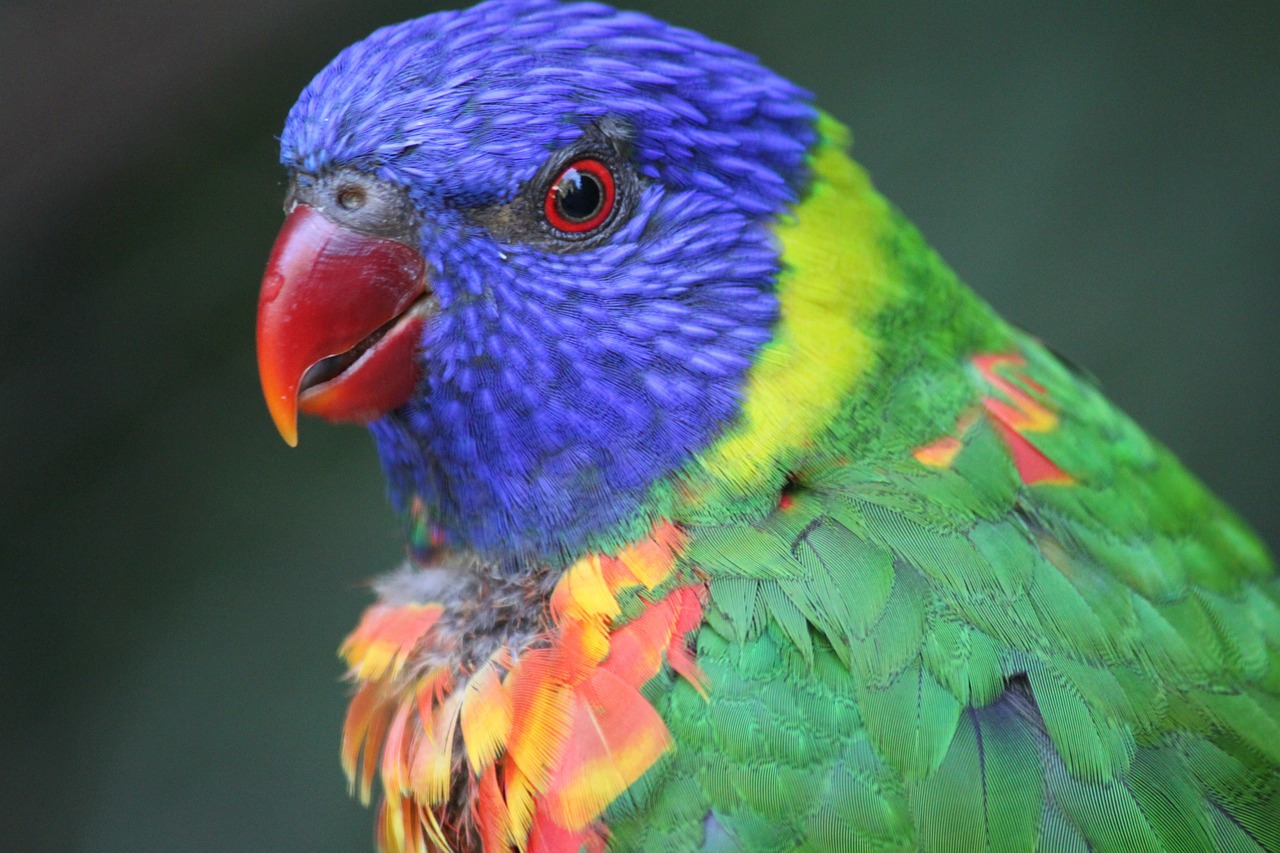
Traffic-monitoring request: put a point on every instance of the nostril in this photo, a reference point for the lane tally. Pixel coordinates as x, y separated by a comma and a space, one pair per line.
351, 198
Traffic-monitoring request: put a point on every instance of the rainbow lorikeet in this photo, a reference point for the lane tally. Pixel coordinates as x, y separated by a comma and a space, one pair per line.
735, 521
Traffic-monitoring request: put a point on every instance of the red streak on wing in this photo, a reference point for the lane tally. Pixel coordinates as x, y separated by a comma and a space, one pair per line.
1013, 414
1034, 468
940, 453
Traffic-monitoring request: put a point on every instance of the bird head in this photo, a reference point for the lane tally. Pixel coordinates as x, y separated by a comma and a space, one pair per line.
529, 244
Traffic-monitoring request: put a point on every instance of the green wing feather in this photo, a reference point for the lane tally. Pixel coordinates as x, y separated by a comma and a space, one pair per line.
910, 656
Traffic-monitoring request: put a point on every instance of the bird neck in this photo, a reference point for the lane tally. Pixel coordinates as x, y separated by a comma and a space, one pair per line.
868, 353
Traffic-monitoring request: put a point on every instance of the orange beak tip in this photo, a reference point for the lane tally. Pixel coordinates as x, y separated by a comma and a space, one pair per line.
284, 414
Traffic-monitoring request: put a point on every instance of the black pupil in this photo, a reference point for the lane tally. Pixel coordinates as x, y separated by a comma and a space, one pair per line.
579, 195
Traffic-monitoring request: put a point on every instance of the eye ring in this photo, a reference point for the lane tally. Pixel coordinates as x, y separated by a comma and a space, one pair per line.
581, 198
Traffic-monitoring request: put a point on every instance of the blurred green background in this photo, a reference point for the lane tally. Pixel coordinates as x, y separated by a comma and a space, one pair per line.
177, 580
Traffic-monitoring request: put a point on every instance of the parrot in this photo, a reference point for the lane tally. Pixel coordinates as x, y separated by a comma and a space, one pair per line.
734, 520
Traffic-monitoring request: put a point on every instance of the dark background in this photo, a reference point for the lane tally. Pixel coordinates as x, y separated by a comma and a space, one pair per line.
176, 579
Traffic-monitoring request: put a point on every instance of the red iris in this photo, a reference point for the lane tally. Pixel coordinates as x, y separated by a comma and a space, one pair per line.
581, 197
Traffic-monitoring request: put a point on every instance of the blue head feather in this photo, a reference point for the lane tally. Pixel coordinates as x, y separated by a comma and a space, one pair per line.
557, 387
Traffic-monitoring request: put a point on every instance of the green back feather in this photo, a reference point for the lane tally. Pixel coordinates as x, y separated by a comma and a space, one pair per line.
913, 657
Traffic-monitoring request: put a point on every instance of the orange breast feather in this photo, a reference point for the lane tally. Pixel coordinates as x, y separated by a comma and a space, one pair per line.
526, 749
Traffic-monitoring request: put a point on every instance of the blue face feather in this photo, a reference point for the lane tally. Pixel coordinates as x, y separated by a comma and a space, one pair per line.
561, 378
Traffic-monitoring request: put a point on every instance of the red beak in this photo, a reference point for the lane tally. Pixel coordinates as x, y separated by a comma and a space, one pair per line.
340, 316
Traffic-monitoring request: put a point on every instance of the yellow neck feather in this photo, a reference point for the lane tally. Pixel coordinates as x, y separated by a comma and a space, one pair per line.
834, 281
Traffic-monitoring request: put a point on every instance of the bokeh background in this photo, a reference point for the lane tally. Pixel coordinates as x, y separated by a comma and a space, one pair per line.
176, 580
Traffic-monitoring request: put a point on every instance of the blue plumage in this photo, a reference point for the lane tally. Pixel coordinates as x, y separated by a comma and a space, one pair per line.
558, 384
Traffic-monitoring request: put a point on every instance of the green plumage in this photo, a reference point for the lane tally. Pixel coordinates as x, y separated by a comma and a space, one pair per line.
947, 657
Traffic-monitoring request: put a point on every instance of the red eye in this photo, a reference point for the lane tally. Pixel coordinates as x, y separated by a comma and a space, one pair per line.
581, 197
